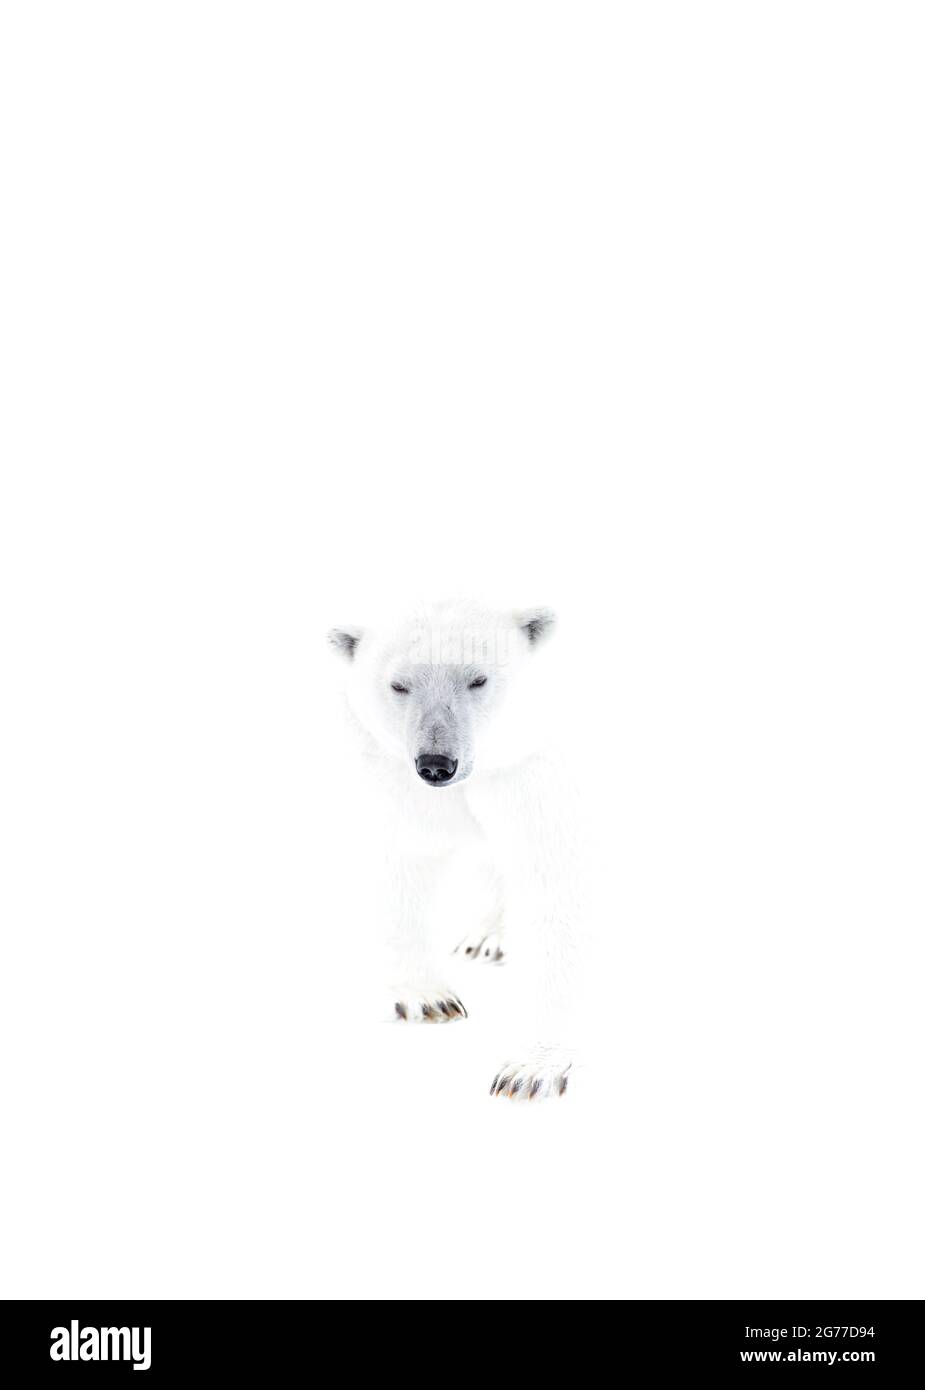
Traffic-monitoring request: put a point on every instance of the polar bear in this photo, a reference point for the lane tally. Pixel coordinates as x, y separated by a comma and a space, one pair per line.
441, 703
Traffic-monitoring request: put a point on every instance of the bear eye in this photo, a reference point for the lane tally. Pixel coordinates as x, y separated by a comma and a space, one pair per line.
478, 682
399, 689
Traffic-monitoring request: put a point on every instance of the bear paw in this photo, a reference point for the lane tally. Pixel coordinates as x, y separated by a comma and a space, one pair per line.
429, 1006
478, 946
538, 1075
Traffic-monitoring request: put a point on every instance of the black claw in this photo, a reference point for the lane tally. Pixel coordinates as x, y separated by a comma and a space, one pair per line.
465, 1012
516, 1087
503, 1083
427, 1011
562, 1085
443, 1008
401, 1011
535, 1087
493, 1085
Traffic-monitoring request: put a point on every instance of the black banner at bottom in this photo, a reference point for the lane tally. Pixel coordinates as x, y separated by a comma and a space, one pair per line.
286, 1340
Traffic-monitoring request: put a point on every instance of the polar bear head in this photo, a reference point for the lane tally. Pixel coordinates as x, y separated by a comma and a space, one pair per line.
432, 688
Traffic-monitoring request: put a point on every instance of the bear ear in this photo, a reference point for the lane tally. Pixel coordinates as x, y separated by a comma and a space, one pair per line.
536, 624
345, 639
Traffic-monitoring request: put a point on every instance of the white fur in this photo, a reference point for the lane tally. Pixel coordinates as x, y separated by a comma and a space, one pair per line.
512, 801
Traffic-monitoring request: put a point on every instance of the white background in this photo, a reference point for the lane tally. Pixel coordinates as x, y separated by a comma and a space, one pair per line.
613, 307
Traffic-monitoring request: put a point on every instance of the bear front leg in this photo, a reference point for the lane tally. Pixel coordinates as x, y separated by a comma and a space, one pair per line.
539, 1067
486, 943
419, 993
529, 817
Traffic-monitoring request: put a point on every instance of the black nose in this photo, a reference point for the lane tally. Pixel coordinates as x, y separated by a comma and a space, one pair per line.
435, 768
